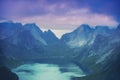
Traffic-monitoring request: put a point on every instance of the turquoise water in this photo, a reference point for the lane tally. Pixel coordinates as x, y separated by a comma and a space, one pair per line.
47, 72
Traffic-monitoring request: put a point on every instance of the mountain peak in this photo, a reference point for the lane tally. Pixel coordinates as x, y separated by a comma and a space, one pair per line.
6, 21
83, 27
10, 23
48, 31
33, 27
50, 37
30, 24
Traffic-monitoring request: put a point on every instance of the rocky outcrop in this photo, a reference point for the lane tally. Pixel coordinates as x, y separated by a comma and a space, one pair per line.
6, 74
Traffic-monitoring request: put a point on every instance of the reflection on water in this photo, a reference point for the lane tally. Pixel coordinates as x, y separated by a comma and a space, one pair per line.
47, 72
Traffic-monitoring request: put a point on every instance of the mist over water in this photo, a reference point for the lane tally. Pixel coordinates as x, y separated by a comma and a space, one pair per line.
46, 72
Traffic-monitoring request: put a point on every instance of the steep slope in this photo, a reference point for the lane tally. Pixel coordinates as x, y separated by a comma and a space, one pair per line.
35, 31
110, 70
8, 29
50, 37
85, 35
27, 41
98, 53
17, 40
6, 74
79, 37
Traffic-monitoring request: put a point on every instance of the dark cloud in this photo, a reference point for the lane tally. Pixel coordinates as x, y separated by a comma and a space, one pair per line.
26, 8
108, 7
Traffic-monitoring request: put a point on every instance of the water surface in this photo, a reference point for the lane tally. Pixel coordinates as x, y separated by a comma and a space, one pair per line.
39, 71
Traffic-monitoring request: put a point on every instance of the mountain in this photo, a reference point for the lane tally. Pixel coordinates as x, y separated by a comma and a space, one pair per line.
108, 71
28, 40
50, 37
6, 74
2, 58
79, 37
85, 35
94, 50
8, 29
35, 31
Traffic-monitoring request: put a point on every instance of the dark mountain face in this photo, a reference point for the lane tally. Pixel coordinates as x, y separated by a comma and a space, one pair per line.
2, 58
108, 71
6, 74
50, 37
9, 29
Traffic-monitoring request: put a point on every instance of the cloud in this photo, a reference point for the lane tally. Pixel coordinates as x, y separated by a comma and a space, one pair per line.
62, 14
71, 19
25, 8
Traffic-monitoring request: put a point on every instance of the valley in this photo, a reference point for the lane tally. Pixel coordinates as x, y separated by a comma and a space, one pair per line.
92, 53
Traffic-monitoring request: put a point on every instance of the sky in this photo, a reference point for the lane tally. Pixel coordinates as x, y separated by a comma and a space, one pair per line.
61, 15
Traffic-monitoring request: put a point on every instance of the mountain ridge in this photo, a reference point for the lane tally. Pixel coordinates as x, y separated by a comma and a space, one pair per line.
91, 48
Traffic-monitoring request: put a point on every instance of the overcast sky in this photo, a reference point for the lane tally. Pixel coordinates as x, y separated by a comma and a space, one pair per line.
61, 14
